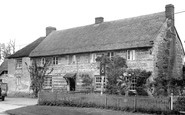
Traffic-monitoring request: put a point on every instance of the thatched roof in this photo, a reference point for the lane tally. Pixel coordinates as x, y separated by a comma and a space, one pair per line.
4, 66
120, 34
25, 52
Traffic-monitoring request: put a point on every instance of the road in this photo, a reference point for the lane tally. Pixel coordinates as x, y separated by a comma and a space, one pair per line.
13, 103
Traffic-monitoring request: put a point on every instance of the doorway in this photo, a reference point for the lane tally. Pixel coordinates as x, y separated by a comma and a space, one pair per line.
72, 84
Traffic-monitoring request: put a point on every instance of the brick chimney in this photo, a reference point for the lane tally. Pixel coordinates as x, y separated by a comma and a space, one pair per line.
49, 30
98, 20
169, 12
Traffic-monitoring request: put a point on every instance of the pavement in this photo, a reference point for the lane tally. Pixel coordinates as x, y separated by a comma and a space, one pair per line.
14, 103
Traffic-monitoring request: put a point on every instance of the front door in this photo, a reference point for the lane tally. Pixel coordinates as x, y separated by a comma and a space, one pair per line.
72, 84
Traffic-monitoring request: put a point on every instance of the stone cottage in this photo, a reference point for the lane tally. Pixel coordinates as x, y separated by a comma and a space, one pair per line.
149, 42
18, 78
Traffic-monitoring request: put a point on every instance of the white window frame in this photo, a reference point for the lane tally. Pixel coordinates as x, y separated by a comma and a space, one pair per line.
48, 82
55, 60
43, 61
74, 59
18, 80
130, 54
99, 82
93, 58
19, 63
133, 84
110, 54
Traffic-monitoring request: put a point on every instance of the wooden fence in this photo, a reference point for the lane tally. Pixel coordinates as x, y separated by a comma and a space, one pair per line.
141, 102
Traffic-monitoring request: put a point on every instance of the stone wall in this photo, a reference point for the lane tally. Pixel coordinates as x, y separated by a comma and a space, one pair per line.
143, 60
164, 52
18, 79
179, 55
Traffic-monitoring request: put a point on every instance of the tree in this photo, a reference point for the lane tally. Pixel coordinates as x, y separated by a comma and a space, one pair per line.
114, 68
7, 49
120, 78
37, 75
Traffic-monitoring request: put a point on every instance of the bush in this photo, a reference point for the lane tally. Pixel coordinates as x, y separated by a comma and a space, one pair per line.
141, 92
180, 104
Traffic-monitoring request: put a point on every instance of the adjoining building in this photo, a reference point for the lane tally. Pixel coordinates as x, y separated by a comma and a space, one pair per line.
18, 77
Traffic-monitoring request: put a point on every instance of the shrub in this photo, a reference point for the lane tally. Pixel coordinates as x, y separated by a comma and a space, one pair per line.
180, 104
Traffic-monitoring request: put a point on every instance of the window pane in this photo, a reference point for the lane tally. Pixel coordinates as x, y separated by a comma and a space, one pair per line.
19, 63
56, 60
70, 59
128, 55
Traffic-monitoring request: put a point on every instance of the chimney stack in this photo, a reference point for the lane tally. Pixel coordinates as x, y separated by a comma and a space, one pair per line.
49, 30
169, 12
98, 20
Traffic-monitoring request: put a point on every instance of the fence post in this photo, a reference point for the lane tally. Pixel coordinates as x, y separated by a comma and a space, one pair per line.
105, 100
171, 101
135, 103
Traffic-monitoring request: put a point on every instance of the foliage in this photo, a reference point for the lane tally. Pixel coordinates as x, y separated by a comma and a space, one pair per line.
87, 82
7, 49
165, 86
180, 103
139, 76
114, 68
119, 78
37, 75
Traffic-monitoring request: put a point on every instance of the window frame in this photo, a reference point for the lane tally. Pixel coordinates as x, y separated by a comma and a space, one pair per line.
19, 63
133, 84
99, 82
47, 82
43, 61
55, 60
130, 54
110, 54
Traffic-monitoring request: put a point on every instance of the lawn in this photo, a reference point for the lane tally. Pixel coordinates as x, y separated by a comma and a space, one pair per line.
55, 110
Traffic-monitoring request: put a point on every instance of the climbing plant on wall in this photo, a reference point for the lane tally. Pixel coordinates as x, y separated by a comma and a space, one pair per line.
37, 75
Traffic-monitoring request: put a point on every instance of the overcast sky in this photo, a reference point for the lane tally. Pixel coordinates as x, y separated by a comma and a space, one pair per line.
26, 20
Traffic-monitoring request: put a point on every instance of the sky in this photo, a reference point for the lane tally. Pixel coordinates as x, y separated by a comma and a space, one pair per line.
25, 20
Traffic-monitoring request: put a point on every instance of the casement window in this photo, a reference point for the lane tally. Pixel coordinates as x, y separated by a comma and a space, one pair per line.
110, 54
130, 54
133, 84
72, 59
18, 63
93, 58
43, 61
48, 82
98, 82
18, 80
55, 61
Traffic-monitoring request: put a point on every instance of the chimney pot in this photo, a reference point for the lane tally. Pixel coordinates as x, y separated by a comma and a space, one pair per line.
99, 20
49, 30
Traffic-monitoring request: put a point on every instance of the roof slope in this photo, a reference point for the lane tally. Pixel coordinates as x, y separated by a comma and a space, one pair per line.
25, 52
119, 34
4, 66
